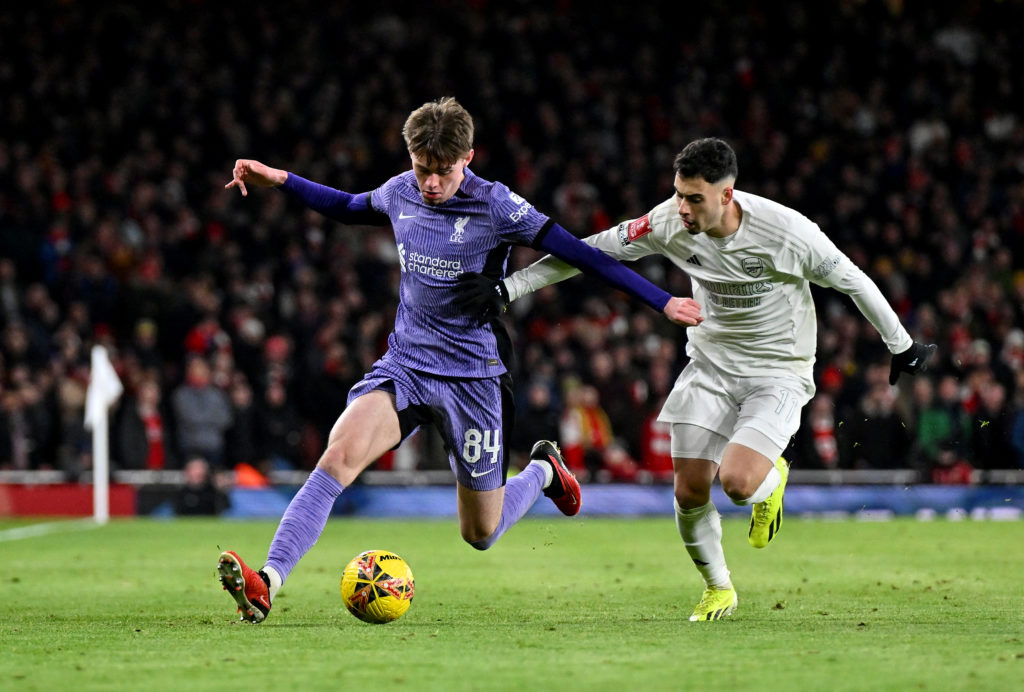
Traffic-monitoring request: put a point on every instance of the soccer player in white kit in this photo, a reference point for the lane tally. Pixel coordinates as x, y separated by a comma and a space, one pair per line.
737, 402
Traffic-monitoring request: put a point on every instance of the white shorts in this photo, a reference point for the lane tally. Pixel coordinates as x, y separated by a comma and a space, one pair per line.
709, 409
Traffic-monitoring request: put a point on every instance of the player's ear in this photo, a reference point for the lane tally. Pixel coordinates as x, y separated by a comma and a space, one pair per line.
469, 157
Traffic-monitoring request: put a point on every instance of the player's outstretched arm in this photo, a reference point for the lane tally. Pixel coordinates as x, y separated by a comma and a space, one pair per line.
248, 171
332, 203
551, 270
909, 356
486, 296
562, 244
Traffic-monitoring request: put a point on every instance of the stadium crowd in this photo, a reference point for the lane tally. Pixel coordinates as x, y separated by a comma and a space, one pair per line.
238, 325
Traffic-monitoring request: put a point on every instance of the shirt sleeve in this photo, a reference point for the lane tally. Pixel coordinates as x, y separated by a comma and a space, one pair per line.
334, 204
382, 198
826, 265
875, 308
629, 240
571, 249
515, 220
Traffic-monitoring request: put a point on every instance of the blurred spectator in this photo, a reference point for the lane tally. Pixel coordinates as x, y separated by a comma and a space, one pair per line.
144, 346
327, 393
622, 393
585, 432
280, 430
949, 468
1017, 420
876, 438
536, 419
991, 430
244, 439
656, 448
25, 426
935, 424
816, 442
141, 437
202, 414
942, 420
617, 466
203, 493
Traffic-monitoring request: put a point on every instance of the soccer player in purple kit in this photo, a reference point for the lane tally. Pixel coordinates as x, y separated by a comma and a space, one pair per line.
444, 365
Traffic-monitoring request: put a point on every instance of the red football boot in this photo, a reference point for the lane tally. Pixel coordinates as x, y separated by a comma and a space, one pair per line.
564, 490
248, 587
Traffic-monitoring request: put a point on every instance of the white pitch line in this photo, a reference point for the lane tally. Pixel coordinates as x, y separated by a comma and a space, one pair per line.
34, 530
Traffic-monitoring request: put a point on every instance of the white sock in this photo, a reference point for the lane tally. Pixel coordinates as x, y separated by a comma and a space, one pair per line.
275, 580
701, 531
549, 472
767, 487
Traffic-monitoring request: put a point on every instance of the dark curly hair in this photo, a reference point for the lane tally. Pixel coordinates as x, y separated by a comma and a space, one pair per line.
709, 158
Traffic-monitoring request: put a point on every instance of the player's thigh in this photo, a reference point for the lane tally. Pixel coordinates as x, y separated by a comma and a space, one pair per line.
366, 429
479, 512
769, 416
700, 397
475, 418
696, 453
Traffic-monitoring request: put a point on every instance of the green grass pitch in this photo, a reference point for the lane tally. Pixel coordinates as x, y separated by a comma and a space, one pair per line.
583, 604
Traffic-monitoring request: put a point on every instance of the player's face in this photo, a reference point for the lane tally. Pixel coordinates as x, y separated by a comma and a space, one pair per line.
702, 204
439, 181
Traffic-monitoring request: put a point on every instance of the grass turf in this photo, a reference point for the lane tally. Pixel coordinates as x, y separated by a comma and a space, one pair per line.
585, 604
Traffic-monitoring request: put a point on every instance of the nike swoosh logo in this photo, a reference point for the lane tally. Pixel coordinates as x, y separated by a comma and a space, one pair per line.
403, 215
476, 474
554, 461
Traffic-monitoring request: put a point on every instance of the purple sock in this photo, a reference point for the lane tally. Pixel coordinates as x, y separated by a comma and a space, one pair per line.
303, 521
521, 492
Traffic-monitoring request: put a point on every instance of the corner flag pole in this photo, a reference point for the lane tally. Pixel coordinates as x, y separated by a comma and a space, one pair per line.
104, 389
100, 472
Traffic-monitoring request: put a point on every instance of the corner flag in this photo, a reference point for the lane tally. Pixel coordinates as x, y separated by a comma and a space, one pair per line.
104, 389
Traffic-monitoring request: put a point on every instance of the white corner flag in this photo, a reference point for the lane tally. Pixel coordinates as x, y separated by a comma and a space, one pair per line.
104, 389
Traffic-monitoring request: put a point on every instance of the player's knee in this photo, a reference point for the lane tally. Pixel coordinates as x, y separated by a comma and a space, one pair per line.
736, 487
480, 543
691, 491
337, 461
691, 498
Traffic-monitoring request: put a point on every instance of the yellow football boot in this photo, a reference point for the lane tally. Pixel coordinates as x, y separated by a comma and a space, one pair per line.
766, 517
715, 604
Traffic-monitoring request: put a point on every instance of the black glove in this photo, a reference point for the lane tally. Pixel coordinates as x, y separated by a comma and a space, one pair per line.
912, 361
482, 296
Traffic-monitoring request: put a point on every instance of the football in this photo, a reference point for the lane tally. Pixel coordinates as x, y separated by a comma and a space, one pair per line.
377, 586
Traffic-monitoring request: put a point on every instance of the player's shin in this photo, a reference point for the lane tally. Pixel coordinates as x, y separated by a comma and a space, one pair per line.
701, 531
303, 521
521, 493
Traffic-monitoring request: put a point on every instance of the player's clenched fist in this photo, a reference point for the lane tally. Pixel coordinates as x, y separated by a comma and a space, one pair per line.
248, 171
685, 311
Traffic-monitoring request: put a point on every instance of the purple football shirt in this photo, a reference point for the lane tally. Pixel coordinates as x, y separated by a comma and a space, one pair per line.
472, 231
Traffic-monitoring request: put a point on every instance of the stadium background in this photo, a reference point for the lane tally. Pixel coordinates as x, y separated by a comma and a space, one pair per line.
894, 126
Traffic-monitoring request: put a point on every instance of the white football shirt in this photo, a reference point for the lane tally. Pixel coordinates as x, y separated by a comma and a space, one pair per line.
752, 286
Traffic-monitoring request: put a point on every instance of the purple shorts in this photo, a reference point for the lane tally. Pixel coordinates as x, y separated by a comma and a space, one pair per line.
473, 416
